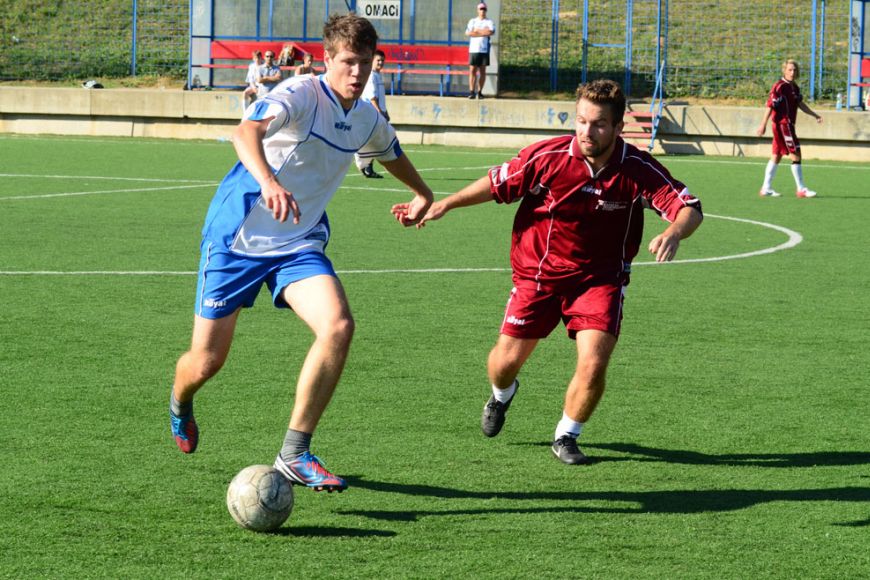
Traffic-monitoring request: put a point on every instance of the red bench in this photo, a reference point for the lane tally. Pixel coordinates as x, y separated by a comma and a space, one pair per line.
401, 59
864, 74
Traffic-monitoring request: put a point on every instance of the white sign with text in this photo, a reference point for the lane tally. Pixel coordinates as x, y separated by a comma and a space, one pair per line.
379, 9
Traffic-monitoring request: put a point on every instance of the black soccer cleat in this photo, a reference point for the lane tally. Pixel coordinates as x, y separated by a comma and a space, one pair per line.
494, 412
566, 450
370, 173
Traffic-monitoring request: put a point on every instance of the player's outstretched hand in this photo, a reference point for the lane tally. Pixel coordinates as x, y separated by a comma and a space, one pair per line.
411, 213
664, 246
281, 202
436, 210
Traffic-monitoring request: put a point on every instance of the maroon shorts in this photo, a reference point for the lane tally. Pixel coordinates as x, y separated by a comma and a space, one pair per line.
533, 311
785, 142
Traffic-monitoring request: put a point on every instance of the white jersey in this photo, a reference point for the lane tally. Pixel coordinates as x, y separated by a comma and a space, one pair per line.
374, 89
479, 43
253, 71
309, 144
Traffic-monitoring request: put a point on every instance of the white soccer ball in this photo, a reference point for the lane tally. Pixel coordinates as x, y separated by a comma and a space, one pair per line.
260, 498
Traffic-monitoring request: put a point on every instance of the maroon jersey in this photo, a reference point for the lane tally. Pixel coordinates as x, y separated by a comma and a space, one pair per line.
783, 100
574, 225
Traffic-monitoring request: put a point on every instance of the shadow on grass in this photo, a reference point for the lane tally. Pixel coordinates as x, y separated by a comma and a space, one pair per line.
814, 459
323, 532
643, 502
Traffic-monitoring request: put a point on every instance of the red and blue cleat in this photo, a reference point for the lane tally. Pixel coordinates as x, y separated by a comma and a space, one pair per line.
306, 470
185, 431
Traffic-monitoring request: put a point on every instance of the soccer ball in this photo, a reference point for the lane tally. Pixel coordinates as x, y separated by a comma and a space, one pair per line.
260, 498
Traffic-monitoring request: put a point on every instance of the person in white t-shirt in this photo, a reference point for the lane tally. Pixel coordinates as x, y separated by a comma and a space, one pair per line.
479, 32
267, 224
375, 94
250, 93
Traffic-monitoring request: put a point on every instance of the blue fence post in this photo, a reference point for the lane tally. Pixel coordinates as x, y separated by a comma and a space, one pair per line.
822, 47
629, 12
135, 26
585, 41
554, 46
813, 53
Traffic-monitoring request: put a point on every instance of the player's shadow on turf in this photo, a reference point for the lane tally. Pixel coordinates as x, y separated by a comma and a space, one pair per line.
812, 459
688, 501
326, 532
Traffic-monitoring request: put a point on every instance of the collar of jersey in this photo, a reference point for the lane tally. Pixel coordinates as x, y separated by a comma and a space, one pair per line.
328, 91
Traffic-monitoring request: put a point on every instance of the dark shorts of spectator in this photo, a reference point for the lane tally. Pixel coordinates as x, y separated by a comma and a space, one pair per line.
478, 58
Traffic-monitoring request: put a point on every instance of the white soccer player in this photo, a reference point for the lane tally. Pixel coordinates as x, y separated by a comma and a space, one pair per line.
375, 94
267, 224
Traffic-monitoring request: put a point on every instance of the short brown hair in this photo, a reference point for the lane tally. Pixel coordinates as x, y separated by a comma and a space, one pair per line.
354, 32
604, 92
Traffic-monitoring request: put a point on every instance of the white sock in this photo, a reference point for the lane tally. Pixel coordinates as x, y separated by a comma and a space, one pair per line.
798, 173
769, 172
568, 426
504, 395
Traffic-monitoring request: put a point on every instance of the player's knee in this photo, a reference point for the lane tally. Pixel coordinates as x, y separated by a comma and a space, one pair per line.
339, 332
592, 369
201, 366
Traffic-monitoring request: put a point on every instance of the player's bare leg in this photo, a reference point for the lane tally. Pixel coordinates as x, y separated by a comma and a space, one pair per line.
594, 348
505, 361
321, 303
481, 82
208, 352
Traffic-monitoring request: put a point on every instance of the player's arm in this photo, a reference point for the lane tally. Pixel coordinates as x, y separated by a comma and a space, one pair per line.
472, 194
665, 245
806, 109
409, 213
248, 142
767, 113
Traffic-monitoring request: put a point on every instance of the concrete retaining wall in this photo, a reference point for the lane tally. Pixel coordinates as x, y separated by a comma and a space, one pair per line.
419, 120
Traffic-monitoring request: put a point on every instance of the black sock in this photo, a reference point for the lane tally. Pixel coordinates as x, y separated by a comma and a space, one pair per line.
180, 409
295, 444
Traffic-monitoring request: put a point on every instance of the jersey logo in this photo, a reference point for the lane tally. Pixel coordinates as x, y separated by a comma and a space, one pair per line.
592, 189
342, 126
605, 205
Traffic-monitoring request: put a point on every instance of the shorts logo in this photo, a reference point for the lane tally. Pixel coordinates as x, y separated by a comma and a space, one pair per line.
212, 303
515, 321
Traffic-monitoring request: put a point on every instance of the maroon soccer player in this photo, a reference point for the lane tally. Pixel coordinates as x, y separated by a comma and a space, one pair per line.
578, 227
782, 104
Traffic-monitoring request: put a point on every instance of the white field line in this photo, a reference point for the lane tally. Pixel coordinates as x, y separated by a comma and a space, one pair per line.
144, 179
78, 193
794, 238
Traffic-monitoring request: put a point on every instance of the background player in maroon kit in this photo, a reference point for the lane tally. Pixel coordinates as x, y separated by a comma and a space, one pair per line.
578, 226
783, 103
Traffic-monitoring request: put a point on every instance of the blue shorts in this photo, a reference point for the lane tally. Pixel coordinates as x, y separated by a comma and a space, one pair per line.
228, 281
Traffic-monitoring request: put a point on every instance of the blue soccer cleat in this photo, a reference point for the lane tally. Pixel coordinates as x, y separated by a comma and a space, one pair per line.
306, 470
185, 431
